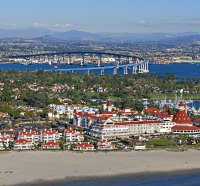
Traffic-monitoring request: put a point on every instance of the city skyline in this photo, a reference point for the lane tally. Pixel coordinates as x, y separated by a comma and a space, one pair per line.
137, 16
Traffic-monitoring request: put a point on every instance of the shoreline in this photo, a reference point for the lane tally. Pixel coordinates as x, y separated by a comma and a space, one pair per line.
21, 168
134, 176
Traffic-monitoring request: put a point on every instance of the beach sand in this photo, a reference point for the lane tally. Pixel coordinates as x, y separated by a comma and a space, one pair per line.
25, 167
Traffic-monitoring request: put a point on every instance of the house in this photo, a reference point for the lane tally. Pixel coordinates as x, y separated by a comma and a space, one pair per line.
84, 146
104, 145
23, 144
53, 116
73, 135
3, 115
51, 145
50, 135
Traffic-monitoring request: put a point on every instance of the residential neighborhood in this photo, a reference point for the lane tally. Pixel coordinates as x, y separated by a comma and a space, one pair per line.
88, 129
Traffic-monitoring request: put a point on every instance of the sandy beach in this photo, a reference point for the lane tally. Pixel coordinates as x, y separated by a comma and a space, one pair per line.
25, 167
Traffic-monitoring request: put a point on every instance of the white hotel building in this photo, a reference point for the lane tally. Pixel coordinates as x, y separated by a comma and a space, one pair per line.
112, 130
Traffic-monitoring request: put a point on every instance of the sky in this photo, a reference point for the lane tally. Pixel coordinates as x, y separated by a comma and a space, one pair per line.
116, 16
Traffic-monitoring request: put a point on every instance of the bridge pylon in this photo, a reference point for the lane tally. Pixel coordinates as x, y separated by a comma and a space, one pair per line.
102, 72
126, 70
115, 71
134, 70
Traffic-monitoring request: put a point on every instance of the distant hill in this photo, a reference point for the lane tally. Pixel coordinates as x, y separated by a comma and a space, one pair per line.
24, 33
74, 35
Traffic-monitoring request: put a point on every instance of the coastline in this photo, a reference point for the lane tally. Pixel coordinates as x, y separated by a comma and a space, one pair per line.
36, 166
137, 178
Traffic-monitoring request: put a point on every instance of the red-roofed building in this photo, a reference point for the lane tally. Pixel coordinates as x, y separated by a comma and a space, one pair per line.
109, 103
50, 135
5, 139
128, 112
127, 128
51, 145
105, 145
108, 106
84, 146
73, 135
165, 116
181, 117
29, 135
23, 144
183, 123
152, 110
85, 119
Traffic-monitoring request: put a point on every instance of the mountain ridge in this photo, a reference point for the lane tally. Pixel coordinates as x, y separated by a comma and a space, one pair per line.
76, 35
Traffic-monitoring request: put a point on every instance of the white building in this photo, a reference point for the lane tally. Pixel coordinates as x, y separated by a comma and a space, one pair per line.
50, 135
84, 146
105, 145
128, 128
73, 135
23, 144
5, 139
29, 135
51, 145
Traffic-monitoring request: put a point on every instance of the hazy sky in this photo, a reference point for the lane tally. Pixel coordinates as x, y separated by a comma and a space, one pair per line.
102, 15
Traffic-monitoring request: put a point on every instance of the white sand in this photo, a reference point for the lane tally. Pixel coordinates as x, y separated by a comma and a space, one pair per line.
21, 167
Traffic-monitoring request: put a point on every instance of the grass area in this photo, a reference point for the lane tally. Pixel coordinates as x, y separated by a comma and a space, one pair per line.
172, 96
160, 143
92, 94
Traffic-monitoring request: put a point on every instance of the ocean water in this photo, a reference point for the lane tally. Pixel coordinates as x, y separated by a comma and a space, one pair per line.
183, 70
188, 178
179, 70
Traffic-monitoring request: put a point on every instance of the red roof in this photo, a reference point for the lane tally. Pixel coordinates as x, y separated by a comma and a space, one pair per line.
138, 122
48, 131
85, 144
6, 136
84, 114
28, 133
70, 131
185, 128
164, 115
100, 117
50, 144
22, 141
103, 142
181, 104
152, 110
109, 103
110, 112
182, 118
